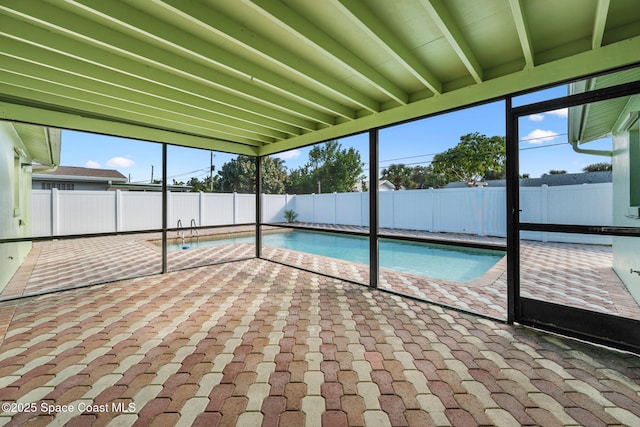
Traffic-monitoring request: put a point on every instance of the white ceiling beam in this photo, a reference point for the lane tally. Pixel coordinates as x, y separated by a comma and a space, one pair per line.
520, 21
361, 16
306, 31
599, 23
450, 30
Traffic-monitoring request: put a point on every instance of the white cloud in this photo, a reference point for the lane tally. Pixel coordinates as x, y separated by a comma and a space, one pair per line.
120, 162
563, 112
91, 164
287, 155
539, 136
536, 117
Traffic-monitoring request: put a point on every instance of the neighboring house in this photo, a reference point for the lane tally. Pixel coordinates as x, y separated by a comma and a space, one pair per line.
551, 180
129, 186
383, 185
75, 178
617, 118
20, 145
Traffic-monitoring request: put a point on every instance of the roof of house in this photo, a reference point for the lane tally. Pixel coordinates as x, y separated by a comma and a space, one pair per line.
600, 119
128, 186
75, 173
42, 143
263, 76
551, 180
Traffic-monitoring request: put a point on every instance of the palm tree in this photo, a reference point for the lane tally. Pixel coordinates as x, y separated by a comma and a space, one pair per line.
399, 175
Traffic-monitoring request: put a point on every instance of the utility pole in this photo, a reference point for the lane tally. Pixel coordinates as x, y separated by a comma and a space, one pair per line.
212, 167
151, 174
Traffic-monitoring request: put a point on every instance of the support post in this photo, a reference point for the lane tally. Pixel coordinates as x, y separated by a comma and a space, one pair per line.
55, 212
118, 199
374, 267
258, 178
513, 216
164, 208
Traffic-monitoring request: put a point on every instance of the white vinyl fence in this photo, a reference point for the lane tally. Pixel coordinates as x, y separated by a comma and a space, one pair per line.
59, 212
479, 211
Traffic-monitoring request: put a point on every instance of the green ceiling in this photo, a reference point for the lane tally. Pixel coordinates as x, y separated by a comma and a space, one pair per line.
262, 76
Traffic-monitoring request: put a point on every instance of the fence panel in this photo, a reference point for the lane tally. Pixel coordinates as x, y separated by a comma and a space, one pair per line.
217, 209
325, 208
274, 205
533, 208
140, 210
588, 204
456, 210
494, 208
41, 213
86, 212
348, 208
364, 208
385, 212
413, 211
304, 207
245, 208
183, 207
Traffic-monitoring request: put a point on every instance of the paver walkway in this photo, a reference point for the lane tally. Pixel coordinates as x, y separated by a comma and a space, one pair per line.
253, 343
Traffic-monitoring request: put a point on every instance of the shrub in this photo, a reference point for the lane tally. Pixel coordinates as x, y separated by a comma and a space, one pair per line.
290, 215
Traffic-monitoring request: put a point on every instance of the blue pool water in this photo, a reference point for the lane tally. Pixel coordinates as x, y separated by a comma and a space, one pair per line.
436, 261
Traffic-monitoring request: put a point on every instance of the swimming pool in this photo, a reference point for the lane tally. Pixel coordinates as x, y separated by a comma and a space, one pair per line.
456, 264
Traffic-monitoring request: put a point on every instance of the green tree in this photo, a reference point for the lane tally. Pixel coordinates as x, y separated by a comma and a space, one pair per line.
274, 175
555, 172
475, 157
598, 167
204, 185
330, 168
424, 177
238, 175
399, 175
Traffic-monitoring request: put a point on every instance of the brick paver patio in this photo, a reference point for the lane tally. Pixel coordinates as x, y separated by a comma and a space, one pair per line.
257, 343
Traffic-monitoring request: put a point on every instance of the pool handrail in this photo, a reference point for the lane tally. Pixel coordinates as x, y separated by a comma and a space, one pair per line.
193, 228
180, 232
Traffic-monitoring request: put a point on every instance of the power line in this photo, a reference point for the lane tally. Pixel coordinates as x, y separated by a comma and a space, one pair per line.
178, 175
477, 153
205, 171
543, 146
554, 135
409, 157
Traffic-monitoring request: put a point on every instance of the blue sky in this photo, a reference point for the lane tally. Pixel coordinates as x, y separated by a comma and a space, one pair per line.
543, 145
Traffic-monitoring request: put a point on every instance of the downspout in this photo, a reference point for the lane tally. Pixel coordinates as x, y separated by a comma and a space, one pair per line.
606, 153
